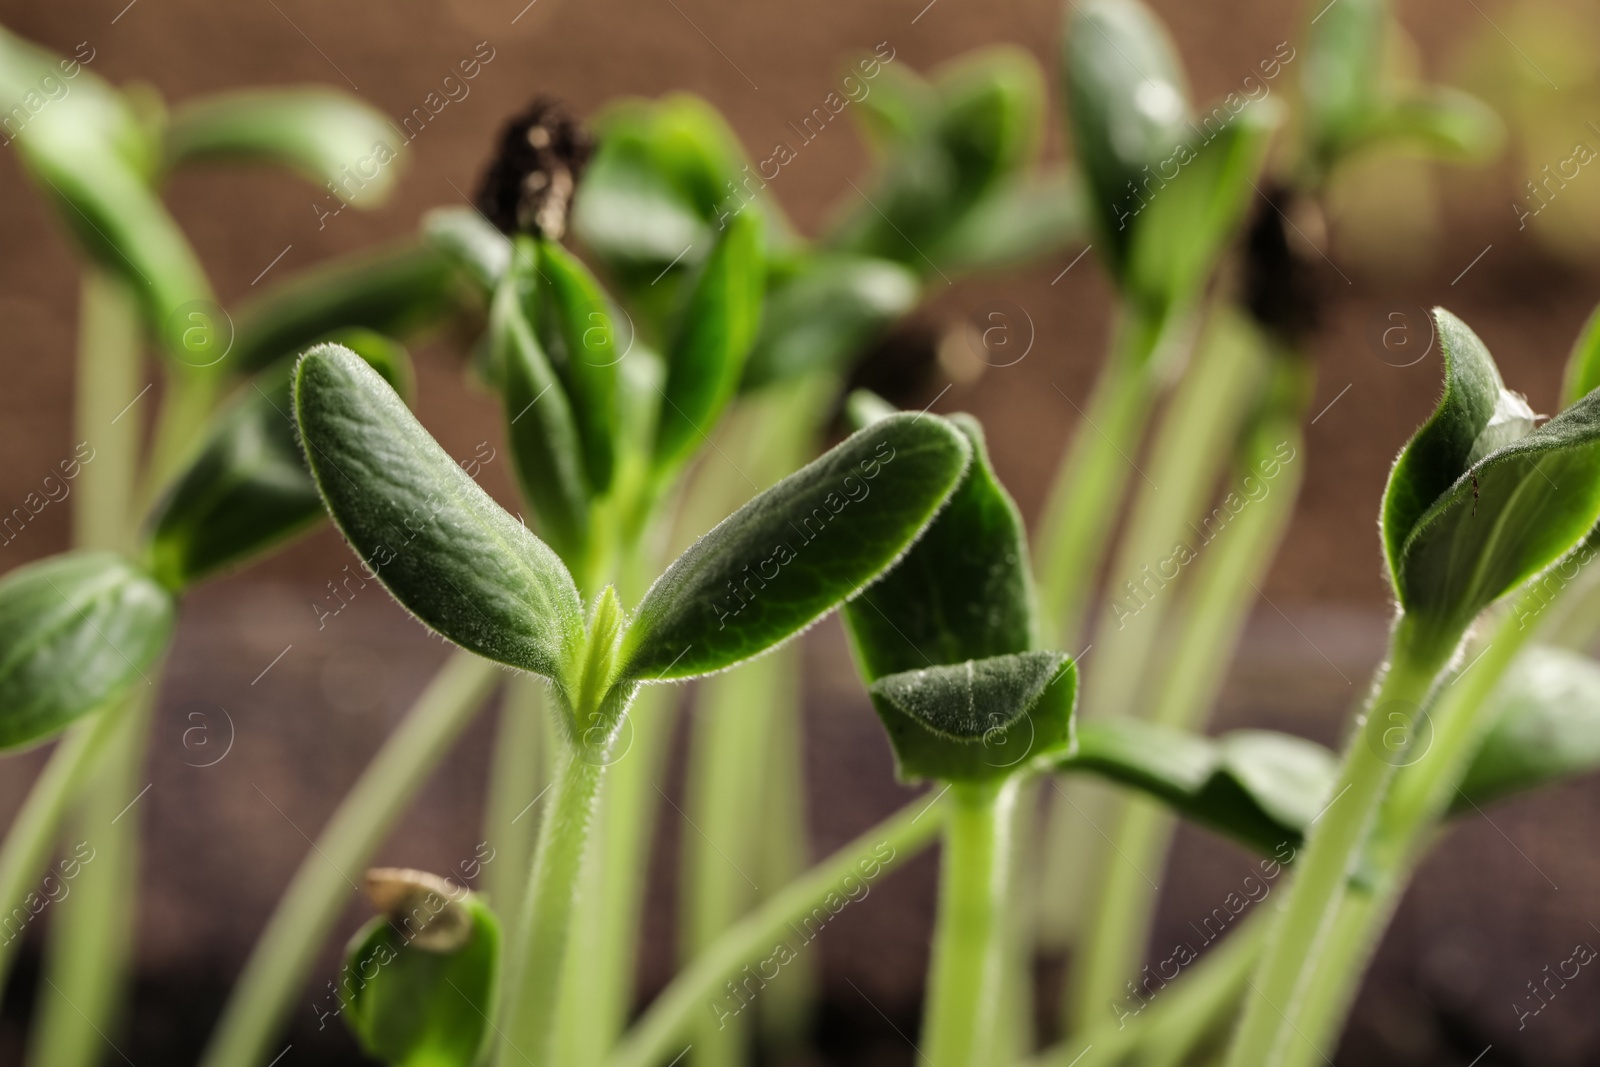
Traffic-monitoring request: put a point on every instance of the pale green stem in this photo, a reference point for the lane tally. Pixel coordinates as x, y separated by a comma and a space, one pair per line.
1209, 620
662, 1031
784, 854
91, 940
33, 832
721, 808
598, 988
1092, 480
964, 974
1193, 444
1417, 802
1265, 1034
81, 1002
329, 875
516, 774
536, 960
1079, 515
1016, 1034
108, 382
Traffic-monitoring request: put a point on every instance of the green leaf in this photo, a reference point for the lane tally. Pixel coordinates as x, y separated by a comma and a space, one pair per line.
540, 425
419, 984
1127, 106
1510, 514
1583, 365
991, 101
863, 407
76, 630
1192, 201
979, 720
1257, 786
900, 106
575, 325
795, 551
1020, 220
963, 592
248, 490
708, 350
94, 161
326, 136
1440, 452
470, 241
825, 315
443, 548
1442, 121
1341, 87
399, 291
1546, 716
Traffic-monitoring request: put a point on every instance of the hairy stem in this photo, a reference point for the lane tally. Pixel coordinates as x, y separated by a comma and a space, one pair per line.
327, 877
1265, 1034
964, 980
660, 1032
516, 775
537, 958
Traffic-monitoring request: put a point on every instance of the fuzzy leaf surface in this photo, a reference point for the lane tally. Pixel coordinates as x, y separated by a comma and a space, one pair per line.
797, 550
436, 540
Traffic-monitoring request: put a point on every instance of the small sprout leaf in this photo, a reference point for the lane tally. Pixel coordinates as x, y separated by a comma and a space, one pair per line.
471, 242
420, 981
76, 630
248, 489
796, 551
574, 323
706, 356
825, 314
1258, 787
1127, 105
962, 593
436, 540
979, 720
1583, 365
322, 134
1507, 517
399, 291
1546, 716
539, 422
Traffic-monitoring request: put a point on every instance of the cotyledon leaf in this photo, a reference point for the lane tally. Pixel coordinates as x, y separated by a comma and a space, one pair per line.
1583, 365
76, 630
1475, 402
326, 136
575, 324
1260, 787
247, 488
797, 550
1546, 727
436, 540
962, 593
471, 241
1510, 515
979, 720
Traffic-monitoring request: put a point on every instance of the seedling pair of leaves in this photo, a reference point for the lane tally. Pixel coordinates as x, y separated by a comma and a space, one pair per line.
477, 576
80, 628
1166, 187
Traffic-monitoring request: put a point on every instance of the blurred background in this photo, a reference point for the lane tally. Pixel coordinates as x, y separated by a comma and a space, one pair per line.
264, 701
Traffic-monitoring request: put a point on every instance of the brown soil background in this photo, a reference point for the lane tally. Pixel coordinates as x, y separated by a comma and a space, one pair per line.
1484, 916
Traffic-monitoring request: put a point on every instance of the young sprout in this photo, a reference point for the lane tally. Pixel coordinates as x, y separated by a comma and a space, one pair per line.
419, 980
478, 577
